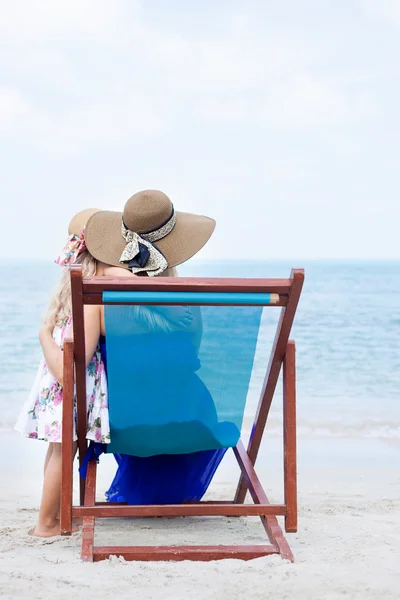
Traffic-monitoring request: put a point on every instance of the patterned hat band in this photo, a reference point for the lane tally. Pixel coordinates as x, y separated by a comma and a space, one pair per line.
140, 254
74, 246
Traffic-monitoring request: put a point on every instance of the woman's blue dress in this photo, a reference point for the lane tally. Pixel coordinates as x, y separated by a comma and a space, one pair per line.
164, 478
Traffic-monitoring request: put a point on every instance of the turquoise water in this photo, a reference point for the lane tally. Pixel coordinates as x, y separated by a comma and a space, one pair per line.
347, 332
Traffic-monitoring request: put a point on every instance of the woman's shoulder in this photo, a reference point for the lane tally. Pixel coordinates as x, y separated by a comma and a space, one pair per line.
110, 271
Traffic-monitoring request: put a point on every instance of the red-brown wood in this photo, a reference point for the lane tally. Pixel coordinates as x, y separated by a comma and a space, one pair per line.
67, 438
275, 533
271, 379
179, 510
289, 436
270, 523
98, 285
178, 553
250, 476
88, 521
80, 364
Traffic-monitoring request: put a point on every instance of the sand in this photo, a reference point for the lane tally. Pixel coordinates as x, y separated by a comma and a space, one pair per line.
348, 544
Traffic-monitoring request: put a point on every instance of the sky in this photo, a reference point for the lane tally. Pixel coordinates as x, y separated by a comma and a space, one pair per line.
280, 119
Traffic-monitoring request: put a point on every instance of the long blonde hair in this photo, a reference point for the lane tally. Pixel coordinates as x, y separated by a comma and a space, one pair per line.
60, 306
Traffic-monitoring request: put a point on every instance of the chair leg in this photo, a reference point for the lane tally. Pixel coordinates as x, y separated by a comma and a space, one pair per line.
278, 352
88, 522
253, 484
275, 534
67, 440
289, 436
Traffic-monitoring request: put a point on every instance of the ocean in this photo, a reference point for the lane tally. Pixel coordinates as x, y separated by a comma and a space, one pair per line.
347, 332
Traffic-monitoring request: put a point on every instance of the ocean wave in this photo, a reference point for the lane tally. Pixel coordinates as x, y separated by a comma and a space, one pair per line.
362, 430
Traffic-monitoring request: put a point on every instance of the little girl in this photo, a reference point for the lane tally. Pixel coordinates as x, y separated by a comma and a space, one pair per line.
41, 416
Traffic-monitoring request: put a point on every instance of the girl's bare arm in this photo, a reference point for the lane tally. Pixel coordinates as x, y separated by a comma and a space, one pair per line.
53, 355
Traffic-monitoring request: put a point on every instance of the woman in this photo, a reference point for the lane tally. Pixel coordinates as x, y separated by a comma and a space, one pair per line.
150, 238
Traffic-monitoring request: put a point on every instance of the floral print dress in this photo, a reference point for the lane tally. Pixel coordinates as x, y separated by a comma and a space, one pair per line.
41, 416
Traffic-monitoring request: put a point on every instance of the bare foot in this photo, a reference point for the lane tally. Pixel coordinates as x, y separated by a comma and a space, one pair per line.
54, 530
45, 532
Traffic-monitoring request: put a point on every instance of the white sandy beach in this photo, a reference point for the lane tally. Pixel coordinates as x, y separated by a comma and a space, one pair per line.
348, 544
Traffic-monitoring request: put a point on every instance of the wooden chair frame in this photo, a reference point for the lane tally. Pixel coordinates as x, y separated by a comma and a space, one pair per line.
89, 291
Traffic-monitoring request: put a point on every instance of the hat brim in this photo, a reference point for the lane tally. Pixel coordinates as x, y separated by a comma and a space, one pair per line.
105, 242
78, 222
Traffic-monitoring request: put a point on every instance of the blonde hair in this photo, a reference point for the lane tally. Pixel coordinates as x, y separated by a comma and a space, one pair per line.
60, 307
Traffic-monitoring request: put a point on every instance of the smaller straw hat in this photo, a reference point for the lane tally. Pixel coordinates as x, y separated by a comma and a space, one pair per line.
78, 222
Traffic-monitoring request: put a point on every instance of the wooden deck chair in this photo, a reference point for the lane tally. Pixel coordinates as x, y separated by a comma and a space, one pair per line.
219, 299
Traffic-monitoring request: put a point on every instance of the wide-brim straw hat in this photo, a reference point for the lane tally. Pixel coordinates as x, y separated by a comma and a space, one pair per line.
148, 223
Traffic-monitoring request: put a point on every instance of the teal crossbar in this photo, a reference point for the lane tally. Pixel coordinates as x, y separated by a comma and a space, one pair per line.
203, 298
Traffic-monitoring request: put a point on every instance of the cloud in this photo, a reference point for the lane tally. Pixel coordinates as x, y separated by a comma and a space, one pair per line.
224, 109
278, 171
387, 11
93, 72
44, 21
113, 121
305, 101
13, 108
